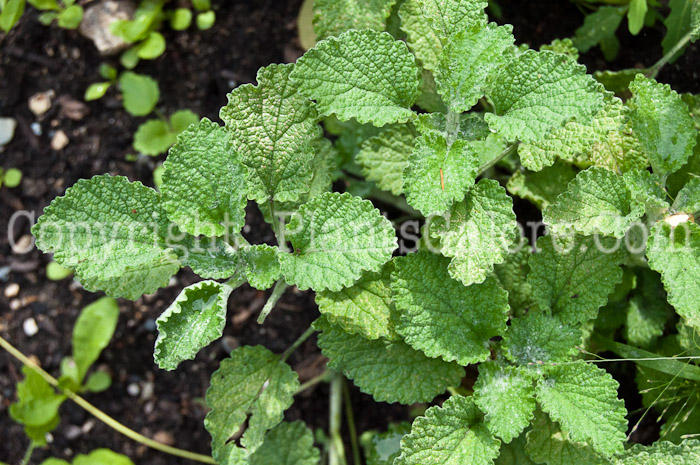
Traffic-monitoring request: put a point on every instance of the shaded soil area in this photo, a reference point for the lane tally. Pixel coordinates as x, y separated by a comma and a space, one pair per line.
196, 71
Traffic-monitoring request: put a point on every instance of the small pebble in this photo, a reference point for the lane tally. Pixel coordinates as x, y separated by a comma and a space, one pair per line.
229, 343
147, 391
164, 437
59, 140
30, 327
149, 325
88, 426
12, 290
15, 304
7, 129
133, 389
72, 432
23, 245
36, 128
40, 103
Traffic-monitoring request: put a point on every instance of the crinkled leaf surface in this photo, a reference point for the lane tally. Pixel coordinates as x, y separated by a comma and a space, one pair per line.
512, 276
597, 201
383, 448
253, 384
540, 338
542, 187
662, 123
287, 444
538, 92
390, 371
335, 238
440, 316
366, 75
421, 38
583, 399
384, 157
449, 435
662, 453
688, 199
110, 232
572, 277
365, 308
439, 174
466, 63
210, 258
477, 232
204, 184
507, 397
262, 265
333, 17
448, 17
675, 253
647, 189
92, 332
272, 126
194, 320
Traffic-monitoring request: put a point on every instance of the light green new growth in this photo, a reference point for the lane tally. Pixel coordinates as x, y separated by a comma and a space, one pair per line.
262, 265
688, 199
542, 187
366, 75
110, 232
37, 406
92, 332
477, 232
195, 319
204, 184
384, 157
662, 452
440, 316
211, 258
272, 126
448, 17
287, 444
538, 92
390, 371
452, 434
335, 238
331, 17
420, 36
539, 338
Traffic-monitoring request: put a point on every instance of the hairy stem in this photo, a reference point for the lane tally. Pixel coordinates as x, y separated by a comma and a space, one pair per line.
277, 291
350, 418
276, 227
28, 454
295, 345
100, 415
323, 377
507, 152
336, 452
656, 68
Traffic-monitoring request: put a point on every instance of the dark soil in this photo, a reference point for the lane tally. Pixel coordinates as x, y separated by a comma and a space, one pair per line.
196, 71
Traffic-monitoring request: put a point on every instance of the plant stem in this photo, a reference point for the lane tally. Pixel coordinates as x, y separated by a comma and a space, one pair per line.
350, 418
100, 415
313, 381
28, 454
277, 291
656, 68
508, 151
295, 345
336, 452
281, 243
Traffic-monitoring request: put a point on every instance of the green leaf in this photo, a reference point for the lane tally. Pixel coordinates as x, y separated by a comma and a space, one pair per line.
108, 72
635, 15
335, 238
583, 399
140, 93
507, 397
542, 187
272, 127
332, 18
384, 157
662, 123
92, 332
597, 201
210, 258
383, 448
98, 381
193, 321
688, 199
468, 60
204, 187
50, 461
448, 17
365, 308
514, 453
477, 232
547, 443
538, 338
287, 444
563, 47
129, 57
677, 25
572, 277
11, 13
56, 272
110, 232
201, 5
205, 20
71, 17
451, 434
606, 140
262, 265
37, 406
44, 4
102, 457
674, 251
421, 38
154, 137
598, 26
440, 316
366, 75
96, 91
538, 92
390, 371
152, 47
183, 119
181, 19
662, 452
253, 384
647, 190
512, 276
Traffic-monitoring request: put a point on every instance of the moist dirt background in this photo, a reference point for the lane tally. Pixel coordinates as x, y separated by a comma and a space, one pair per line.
196, 71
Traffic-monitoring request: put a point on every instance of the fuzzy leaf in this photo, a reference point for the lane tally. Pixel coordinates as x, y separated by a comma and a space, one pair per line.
542, 187
468, 60
193, 321
539, 338
595, 202
583, 399
204, 184
37, 406
154, 137
512, 276
448, 17
366, 75
253, 385
597, 27
383, 448
538, 92
662, 453
442, 317
92, 332
507, 397
439, 174
384, 157
421, 38
572, 277
273, 126
110, 232
688, 199
449, 435
675, 253
477, 232
332, 18
662, 123
287, 444
262, 265
335, 238
390, 371
210, 258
